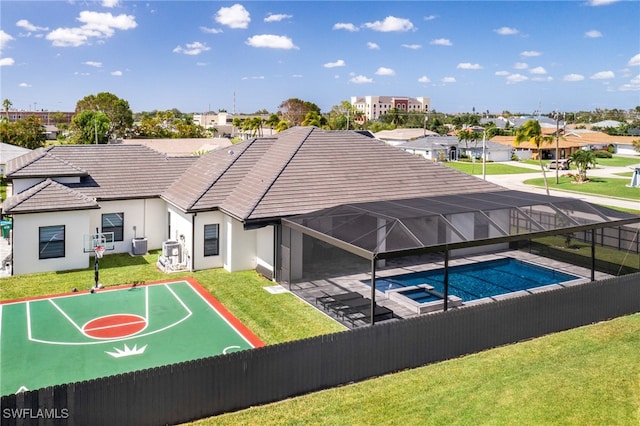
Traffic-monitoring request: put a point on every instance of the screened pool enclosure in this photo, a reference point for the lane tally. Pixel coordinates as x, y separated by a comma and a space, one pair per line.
450, 225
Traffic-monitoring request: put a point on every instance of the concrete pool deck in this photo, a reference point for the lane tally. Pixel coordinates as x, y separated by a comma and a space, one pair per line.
308, 291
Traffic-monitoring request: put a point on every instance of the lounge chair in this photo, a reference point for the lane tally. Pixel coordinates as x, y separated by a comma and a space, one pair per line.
364, 314
326, 300
342, 308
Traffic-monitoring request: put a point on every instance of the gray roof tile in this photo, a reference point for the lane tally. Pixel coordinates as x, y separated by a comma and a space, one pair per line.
48, 195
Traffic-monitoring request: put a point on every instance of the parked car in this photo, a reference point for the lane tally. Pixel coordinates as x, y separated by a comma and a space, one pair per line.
560, 164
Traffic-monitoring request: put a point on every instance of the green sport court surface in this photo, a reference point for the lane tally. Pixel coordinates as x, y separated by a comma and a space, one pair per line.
80, 336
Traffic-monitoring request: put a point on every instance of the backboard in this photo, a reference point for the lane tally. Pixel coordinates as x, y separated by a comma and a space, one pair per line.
91, 241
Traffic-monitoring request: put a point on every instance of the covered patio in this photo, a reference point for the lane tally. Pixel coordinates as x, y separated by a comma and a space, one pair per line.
376, 235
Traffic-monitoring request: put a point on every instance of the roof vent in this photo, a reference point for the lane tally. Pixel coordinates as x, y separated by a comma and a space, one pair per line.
230, 152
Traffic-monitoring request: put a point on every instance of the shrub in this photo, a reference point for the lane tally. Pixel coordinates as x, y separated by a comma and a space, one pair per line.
603, 154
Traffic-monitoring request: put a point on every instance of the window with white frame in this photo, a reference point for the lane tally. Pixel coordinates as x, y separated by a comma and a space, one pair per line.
51, 242
114, 222
211, 240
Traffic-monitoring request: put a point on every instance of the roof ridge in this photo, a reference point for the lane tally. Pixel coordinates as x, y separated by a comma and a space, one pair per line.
37, 154
282, 168
34, 190
213, 181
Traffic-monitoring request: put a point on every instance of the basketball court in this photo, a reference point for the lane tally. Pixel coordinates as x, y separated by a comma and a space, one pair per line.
80, 336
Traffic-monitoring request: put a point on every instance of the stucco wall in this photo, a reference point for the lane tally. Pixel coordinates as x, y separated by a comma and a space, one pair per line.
26, 241
200, 260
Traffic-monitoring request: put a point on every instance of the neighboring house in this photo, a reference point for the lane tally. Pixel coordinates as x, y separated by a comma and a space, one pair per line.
9, 152
180, 147
51, 132
441, 148
399, 136
527, 150
224, 208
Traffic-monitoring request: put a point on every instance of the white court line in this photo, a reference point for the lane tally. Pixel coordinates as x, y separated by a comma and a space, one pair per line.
188, 315
222, 316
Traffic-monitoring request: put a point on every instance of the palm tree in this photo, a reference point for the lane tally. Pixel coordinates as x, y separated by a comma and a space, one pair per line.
583, 159
532, 132
6, 104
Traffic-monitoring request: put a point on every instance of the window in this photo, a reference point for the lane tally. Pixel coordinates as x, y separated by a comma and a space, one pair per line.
51, 242
114, 222
211, 240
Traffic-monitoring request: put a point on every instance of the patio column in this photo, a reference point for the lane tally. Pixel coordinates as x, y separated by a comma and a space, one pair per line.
373, 289
382, 240
446, 280
593, 255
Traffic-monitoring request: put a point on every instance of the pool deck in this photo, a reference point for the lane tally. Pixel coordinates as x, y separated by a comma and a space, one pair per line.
308, 291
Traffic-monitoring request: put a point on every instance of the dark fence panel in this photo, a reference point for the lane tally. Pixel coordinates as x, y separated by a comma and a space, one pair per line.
191, 390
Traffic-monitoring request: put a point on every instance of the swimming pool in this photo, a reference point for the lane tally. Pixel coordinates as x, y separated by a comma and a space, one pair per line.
477, 280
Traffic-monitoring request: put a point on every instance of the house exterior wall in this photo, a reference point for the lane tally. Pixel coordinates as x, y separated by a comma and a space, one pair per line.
241, 246
26, 241
265, 250
146, 215
200, 261
180, 224
20, 185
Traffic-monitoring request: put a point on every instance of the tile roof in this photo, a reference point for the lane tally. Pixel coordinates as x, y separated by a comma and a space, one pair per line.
304, 169
177, 147
48, 195
105, 171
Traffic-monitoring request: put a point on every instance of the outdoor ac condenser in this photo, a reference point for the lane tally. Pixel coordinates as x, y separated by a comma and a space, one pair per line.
139, 246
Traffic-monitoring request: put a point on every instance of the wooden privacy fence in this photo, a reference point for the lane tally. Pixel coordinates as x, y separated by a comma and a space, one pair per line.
191, 390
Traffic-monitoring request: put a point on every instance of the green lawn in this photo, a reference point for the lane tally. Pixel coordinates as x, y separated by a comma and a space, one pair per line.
274, 318
617, 161
609, 187
490, 168
586, 376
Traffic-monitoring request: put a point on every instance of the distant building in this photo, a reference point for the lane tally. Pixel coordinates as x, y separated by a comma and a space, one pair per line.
373, 107
46, 117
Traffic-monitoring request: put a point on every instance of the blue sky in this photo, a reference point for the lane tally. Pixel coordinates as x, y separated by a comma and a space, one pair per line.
246, 56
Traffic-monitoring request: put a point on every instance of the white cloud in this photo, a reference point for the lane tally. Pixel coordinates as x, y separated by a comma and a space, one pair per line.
521, 66
441, 42
116, 73
110, 3
338, 63
277, 17
547, 78
633, 85
208, 30
271, 41
6, 62
448, 80
235, 16
95, 24
296, 75
411, 46
93, 64
24, 85
345, 26
424, 79
4, 39
255, 77
372, 46
385, 71
530, 53
635, 61
506, 31
593, 34
361, 79
430, 17
601, 2
516, 78
538, 70
469, 66
573, 77
502, 73
603, 75
23, 23
192, 49
390, 24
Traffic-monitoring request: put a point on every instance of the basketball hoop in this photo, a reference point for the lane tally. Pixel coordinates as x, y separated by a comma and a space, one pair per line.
99, 250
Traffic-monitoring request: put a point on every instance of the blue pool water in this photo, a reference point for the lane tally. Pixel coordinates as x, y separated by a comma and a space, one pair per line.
478, 280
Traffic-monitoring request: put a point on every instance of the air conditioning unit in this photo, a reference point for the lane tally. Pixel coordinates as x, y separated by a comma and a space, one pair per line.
172, 249
139, 246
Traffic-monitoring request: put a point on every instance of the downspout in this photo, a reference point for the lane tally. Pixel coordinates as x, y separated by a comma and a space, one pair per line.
193, 241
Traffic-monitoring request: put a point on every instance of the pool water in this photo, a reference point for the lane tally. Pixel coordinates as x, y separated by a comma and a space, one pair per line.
479, 280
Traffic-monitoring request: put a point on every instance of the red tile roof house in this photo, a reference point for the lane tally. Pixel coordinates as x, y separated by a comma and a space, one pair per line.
225, 207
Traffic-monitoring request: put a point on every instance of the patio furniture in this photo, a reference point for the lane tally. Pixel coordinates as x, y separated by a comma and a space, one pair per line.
342, 308
363, 313
328, 299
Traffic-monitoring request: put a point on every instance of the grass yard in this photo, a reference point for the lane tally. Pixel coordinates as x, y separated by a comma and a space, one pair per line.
490, 168
585, 376
274, 318
609, 187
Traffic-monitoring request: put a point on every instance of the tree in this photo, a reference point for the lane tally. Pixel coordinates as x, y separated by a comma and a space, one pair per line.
6, 104
28, 133
116, 110
636, 144
294, 110
312, 118
89, 127
531, 132
583, 159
